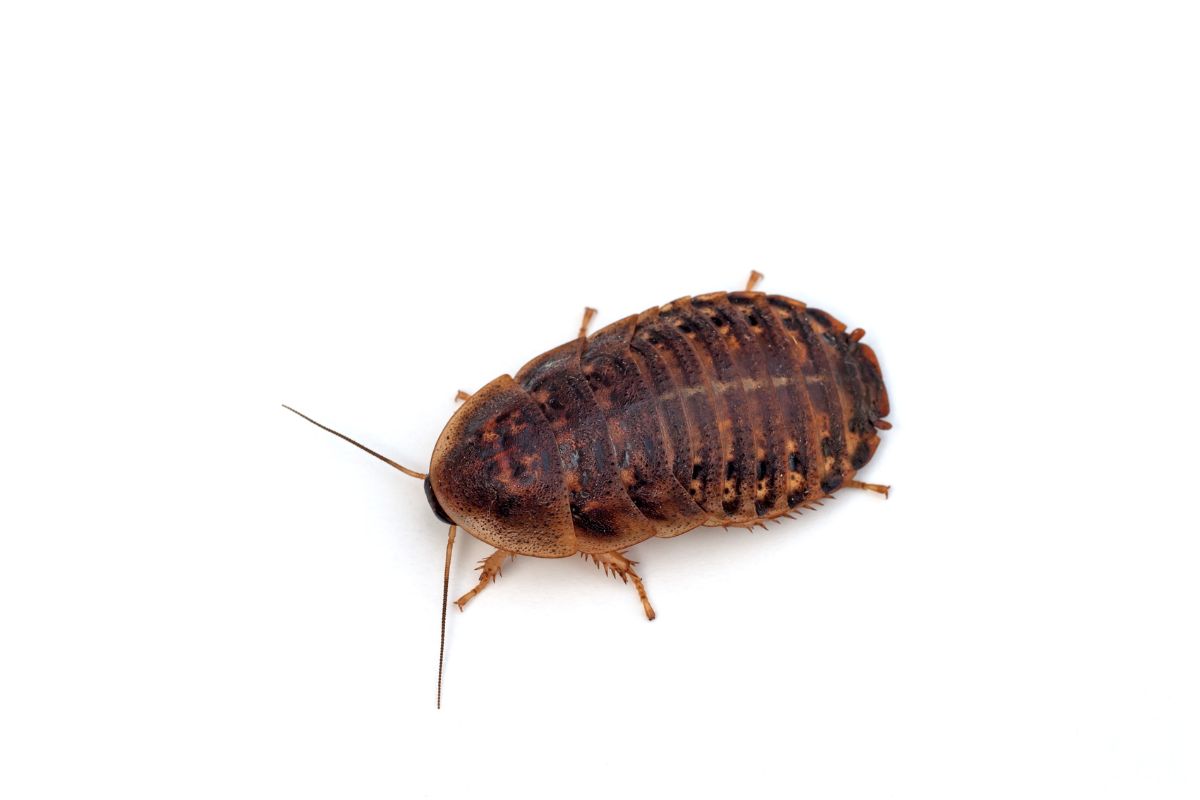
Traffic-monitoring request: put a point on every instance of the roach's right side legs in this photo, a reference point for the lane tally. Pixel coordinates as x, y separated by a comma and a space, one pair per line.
622, 567
489, 570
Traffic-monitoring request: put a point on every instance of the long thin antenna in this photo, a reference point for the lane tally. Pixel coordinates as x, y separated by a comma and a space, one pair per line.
384, 459
445, 599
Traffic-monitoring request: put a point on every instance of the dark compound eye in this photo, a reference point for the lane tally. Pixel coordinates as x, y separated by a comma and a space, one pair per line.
434, 504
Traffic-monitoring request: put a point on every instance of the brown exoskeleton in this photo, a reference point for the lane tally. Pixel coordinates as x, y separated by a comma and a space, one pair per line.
725, 409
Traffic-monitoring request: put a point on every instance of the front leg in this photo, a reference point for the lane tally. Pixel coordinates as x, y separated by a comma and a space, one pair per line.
489, 570
622, 567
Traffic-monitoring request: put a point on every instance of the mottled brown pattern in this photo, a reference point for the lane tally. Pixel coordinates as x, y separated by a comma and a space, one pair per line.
495, 471
605, 516
643, 448
822, 393
658, 377
745, 325
700, 321
720, 409
655, 338
799, 425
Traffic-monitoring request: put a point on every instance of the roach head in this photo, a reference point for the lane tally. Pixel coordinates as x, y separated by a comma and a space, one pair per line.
438, 511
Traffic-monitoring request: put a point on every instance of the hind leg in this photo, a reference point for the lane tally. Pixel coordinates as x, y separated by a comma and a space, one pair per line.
870, 487
622, 567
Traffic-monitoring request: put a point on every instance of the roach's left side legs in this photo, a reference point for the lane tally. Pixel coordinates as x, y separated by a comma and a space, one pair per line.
622, 567
489, 570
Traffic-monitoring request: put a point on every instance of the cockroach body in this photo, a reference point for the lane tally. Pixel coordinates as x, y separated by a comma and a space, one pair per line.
724, 409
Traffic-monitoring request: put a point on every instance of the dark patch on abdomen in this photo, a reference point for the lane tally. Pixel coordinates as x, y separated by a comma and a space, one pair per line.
747, 339
819, 382
700, 323
705, 478
643, 455
785, 361
670, 408
599, 504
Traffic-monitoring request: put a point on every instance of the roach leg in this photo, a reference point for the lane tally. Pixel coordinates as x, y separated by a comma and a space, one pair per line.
461, 396
489, 570
622, 567
755, 277
870, 487
588, 314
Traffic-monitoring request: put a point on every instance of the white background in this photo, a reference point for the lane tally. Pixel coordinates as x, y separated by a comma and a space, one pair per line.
358, 208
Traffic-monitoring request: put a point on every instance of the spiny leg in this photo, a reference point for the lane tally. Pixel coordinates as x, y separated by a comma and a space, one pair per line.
489, 570
870, 487
588, 315
755, 277
461, 396
622, 567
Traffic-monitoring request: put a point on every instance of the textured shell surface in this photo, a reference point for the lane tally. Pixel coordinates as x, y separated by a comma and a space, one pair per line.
729, 408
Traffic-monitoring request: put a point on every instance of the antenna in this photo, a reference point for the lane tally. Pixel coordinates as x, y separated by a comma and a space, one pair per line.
445, 598
384, 459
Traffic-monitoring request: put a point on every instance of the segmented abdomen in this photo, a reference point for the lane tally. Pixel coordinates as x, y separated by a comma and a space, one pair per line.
720, 409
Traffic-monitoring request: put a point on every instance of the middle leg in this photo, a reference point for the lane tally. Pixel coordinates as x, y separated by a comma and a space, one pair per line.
622, 567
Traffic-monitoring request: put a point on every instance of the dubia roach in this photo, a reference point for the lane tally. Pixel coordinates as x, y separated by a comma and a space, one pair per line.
725, 409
